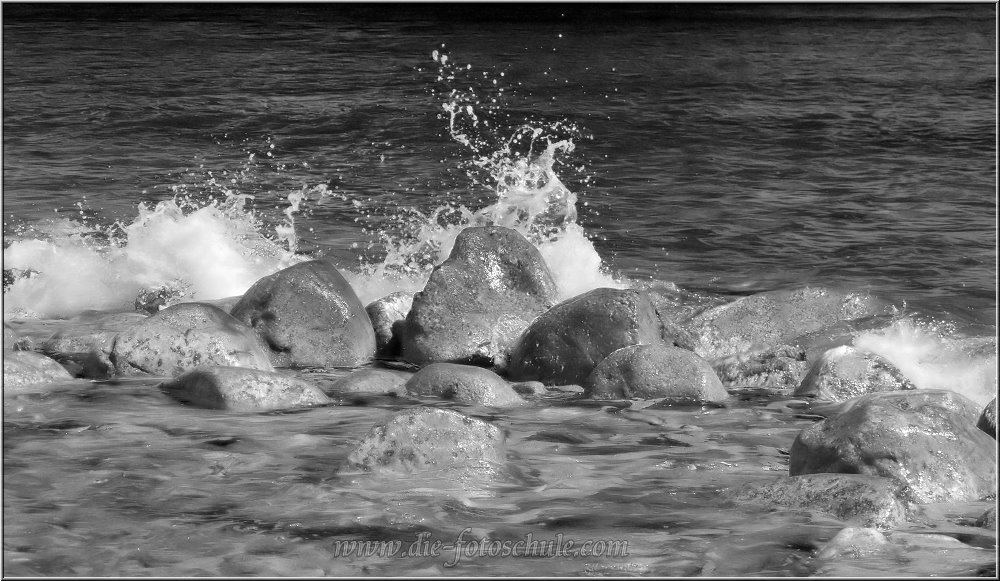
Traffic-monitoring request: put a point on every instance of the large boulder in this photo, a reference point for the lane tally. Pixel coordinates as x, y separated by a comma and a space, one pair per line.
477, 302
84, 344
767, 319
384, 313
463, 383
988, 419
926, 439
780, 367
308, 315
846, 372
655, 371
242, 389
430, 438
23, 370
870, 501
564, 344
183, 337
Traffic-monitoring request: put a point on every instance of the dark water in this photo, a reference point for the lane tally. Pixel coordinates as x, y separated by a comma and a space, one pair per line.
727, 149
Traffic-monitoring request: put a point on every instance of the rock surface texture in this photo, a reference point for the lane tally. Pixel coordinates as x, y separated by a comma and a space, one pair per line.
463, 383
23, 370
655, 371
242, 389
845, 372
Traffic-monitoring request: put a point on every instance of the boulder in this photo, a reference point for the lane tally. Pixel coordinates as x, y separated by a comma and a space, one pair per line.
988, 420
25, 369
854, 543
183, 337
655, 371
84, 344
780, 367
12, 341
988, 520
372, 381
308, 315
763, 320
564, 344
926, 439
866, 500
430, 438
845, 372
463, 383
477, 302
242, 389
384, 313
530, 388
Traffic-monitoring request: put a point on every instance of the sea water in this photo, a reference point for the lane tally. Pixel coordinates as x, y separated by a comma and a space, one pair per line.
712, 151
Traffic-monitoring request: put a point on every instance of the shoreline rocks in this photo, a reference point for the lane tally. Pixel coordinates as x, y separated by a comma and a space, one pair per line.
25, 370
242, 389
655, 372
845, 372
463, 383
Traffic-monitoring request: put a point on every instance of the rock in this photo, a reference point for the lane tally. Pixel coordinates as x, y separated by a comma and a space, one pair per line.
866, 500
373, 381
530, 388
924, 438
84, 344
854, 543
152, 300
988, 420
477, 302
429, 438
845, 372
26, 369
242, 389
564, 344
384, 313
781, 367
463, 383
763, 320
988, 520
12, 341
183, 337
655, 372
309, 315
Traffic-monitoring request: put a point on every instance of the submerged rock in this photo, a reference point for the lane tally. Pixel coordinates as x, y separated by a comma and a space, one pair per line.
565, 344
768, 319
655, 372
183, 337
384, 313
867, 500
988, 420
463, 383
781, 367
477, 302
430, 438
845, 372
924, 438
308, 315
25, 369
373, 381
242, 389
854, 543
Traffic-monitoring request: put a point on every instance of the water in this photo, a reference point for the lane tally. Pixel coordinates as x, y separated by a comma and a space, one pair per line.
724, 150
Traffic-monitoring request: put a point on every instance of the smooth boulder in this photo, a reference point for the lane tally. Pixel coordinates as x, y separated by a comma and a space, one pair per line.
428, 438
926, 439
384, 314
564, 344
84, 344
463, 383
845, 372
655, 371
869, 501
308, 315
183, 337
369, 380
477, 302
242, 389
854, 543
23, 370
988, 419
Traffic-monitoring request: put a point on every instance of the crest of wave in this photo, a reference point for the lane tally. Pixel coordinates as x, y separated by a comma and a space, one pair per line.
213, 251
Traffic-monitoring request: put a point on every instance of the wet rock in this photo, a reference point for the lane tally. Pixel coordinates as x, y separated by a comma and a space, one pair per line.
564, 344
655, 372
924, 438
84, 344
988, 420
12, 341
463, 383
870, 501
373, 381
530, 388
183, 337
781, 367
477, 302
152, 300
846, 372
23, 370
760, 321
384, 313
309, 315
854, 543
242, 389
988, 520
430, 438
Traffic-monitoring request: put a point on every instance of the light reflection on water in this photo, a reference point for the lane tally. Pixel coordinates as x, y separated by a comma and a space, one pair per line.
106, 479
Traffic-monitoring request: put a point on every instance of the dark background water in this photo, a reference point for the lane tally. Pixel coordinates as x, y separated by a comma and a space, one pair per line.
733, 148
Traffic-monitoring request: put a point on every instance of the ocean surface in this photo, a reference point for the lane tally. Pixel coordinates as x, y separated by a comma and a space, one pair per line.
719, 149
